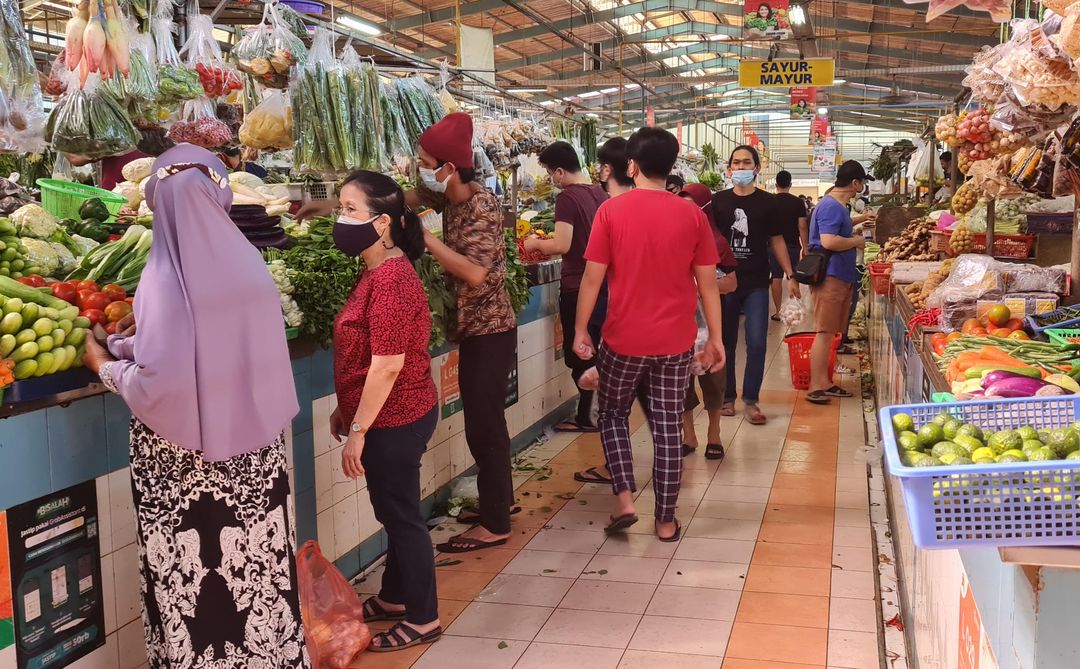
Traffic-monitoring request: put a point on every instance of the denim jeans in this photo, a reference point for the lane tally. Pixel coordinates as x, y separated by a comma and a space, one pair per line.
755, 304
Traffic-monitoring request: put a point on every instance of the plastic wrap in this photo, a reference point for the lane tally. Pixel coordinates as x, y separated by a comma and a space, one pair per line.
396, 136
1034, 279
90, 122
176, 81
26, 115
322, 112
331, 610
203, 55
420, 107
270, 50
972, 276
986, 85
140, 86
199, 125
270, 124
364, 89
1068, 37
1037, 71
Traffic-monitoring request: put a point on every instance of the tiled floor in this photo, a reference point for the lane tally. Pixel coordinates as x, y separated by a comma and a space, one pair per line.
773, 571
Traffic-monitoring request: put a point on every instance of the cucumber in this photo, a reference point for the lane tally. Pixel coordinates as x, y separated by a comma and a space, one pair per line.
58, 336
25, 352
18, 264
25, 336
58, 361
7, 345
30, 312
45, 343
25, 369
44, 363
14, 304
65, 324
76, 337
50, 312
71, 357
11, 323
44, 326
81, 322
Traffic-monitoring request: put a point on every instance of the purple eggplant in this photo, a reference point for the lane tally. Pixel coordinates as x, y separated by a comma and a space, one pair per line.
996, 375
1014, 386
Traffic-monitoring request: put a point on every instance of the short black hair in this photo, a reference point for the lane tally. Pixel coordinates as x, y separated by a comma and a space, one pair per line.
560, 155
675, 180
946, 156
746, 147
613, 154
231, 151
654, 150
783, 179
154, 142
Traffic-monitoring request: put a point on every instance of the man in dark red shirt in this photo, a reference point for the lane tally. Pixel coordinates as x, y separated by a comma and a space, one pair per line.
575, 208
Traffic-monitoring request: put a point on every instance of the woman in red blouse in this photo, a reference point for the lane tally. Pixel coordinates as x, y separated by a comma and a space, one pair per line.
386, 397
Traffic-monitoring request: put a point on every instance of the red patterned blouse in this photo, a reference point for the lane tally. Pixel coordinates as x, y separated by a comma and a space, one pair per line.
386, 314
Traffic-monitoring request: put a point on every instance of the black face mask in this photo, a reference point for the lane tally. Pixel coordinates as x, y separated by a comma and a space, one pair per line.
353, 237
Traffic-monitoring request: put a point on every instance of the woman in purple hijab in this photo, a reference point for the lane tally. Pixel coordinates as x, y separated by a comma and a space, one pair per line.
209, 383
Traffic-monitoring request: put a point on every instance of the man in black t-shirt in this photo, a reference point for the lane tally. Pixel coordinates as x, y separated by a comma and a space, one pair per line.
791, 218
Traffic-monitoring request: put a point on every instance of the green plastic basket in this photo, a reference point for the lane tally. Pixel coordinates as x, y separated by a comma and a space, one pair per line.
63, 198
1062, 335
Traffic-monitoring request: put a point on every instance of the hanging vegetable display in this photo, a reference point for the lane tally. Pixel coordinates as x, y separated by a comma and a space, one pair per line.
176, 82
270, 124
90, 122
199, 125
270, 50
22, 119
204, 57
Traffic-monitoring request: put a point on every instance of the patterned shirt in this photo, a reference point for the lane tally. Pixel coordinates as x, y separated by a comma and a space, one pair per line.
386, 314
475, 230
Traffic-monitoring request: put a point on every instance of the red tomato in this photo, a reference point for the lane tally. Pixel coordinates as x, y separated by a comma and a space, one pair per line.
115, 292
97, 300
117, 310
87, 284
939, 346
94, 315
34, 280
25, 280
83, 295
1018, 334
130, 300
111, 328
1015, 324
66, 292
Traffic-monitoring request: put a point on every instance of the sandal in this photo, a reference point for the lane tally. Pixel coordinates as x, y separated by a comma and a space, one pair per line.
574, 426
715, 452
462, 544
837, 391
591, 475
846, 349
754, 415
728, 409
473, 516
374, 611
687, 450
674, 537
775, 317
621, 523
818, 397
402, 636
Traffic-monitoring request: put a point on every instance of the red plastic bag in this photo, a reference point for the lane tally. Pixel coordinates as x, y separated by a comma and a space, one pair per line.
332, 613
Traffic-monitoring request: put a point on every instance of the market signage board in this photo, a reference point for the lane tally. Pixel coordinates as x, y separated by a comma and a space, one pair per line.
56, 577
786, 72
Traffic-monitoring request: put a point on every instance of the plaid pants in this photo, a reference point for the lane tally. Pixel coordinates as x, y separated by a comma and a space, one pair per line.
665, 379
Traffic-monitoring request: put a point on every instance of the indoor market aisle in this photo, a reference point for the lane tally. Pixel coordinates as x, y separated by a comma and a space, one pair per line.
774, 571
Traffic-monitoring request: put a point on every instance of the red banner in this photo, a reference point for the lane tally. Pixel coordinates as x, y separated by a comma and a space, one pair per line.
820, 129
803, 102
650, 116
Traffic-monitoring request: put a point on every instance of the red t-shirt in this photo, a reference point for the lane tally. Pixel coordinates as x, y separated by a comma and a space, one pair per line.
651, 241
577, 205
386, 314
112, 168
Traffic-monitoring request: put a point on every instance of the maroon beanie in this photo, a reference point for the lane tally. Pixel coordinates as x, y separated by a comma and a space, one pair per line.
450, 140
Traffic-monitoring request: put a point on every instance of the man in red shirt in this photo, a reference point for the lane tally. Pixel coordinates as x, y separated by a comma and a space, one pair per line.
657, 252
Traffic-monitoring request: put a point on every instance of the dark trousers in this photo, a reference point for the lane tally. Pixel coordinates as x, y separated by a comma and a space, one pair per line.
391, 459
484, 367
577, 366
754, 303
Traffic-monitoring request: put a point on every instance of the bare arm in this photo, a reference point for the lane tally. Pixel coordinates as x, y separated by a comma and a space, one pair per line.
779, 249
838, 244
454, 262
727, 283
380, 380
708, 289
557, 245
588, 292
804, 233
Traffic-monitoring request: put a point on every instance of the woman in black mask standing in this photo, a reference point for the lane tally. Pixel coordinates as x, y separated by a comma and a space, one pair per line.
386, 397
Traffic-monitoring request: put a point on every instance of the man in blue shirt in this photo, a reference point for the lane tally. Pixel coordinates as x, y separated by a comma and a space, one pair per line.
831, 229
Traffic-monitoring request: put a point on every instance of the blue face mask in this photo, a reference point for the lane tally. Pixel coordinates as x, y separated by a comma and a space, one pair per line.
743, 177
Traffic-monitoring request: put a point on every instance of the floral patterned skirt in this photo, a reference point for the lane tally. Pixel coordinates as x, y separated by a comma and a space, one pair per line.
216, 557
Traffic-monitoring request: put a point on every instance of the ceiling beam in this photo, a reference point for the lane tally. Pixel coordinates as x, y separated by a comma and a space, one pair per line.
443, 15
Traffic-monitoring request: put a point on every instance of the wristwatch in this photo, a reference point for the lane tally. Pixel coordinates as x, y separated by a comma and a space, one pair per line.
358, 429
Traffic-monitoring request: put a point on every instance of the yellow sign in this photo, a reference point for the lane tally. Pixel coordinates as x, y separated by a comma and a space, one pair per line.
784, 73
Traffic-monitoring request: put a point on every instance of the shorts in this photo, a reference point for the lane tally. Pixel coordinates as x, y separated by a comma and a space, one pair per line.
793, 255
713, 386
832, 304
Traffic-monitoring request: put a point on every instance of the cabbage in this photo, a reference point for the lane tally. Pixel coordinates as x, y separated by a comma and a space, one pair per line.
129, 190
67, 261
84, 245
245, 179
32, 221
138, 169
42, 255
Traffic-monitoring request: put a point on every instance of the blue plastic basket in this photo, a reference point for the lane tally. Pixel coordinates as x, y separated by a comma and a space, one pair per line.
1038, 326
1008, 504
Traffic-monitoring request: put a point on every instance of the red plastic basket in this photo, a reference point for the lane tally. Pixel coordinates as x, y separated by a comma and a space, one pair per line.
799, 357
880, 277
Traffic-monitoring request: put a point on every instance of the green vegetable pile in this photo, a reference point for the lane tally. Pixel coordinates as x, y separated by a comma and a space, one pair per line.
40, 333
420, 107
322, 280
517, 281
176, 83
12, 253
120, 262
441, 299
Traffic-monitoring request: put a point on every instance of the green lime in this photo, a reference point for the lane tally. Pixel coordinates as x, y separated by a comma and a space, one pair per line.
962, 460
1027, 433
1042, 454
948, 458
983, 453
951, 428
1016, 452
1063, 442
909, 441
1031, 445
903, 422
970, 430
984, 461
927, 461
1075, 455
1044, 436
1005, 440
943, 448
968, 443
942, 418
1011, 457
930, 434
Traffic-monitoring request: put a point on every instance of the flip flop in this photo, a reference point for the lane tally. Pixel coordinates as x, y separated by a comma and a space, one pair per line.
687, 450
374, 611
775, 317
728, 409
591, 475
715, 452
400, 637
621, 523
574, 426
818, 397
837, 391
460, 544
754, 415
474, 515
674, 537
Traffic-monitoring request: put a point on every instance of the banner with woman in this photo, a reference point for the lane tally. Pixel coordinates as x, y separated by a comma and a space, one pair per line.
766, 20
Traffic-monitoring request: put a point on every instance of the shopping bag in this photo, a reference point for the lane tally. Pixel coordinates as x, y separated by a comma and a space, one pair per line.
332, 613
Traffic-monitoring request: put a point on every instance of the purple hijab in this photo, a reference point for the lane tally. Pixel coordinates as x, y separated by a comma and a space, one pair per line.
209, 367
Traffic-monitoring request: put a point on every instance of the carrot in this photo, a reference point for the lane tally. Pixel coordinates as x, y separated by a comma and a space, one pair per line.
996, 355
966, 359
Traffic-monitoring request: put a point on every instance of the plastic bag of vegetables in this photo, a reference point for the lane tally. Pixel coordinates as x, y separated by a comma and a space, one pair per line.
199, 125
90, 122
323, 109
140, 86
270, 124
269, 50
20, 80
175, 80
203, 54
364, 90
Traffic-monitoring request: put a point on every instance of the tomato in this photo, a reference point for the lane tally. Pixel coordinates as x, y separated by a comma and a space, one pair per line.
117, 310
115, 292
953, 336
111, 328
87, 284
999, 315
83, 295
1015, 324
32, 280
1018, 334
25, 280
969, 325
939, 346
1000, 332
96, 300
130, 300
95, 316
936, 337
978, 331
65, 292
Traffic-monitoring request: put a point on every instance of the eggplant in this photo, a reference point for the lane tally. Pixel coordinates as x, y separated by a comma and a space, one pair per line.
1015, 386
1050, 390
992, 377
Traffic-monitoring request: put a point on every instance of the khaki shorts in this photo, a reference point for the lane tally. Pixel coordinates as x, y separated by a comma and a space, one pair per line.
832, 303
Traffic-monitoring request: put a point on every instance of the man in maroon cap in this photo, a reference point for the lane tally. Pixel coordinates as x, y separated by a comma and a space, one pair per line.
472, 251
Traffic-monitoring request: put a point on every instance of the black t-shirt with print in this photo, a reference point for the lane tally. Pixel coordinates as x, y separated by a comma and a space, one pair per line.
791, 208
749, 222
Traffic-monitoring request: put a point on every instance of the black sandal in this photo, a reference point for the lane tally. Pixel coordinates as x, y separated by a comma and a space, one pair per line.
715, 452
621, 523
818, 397
402, 636
674, 537
460, 544
374, 611
473, 516
837, 391
687, 450
574, 426
591, 475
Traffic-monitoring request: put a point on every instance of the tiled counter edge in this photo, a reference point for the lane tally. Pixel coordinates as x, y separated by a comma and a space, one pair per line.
51, 449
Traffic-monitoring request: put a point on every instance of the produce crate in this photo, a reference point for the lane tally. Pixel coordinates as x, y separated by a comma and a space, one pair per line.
880, 277
1063, 336
39, 388
939, 241
799, 358
1049, 224
319, 190
1064, 317
1006, 504
1015, 247
62, 199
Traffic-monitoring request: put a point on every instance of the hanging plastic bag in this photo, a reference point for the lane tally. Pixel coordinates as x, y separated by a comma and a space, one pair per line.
55, 86
140, 86
203, 54
90, 122
8, 143
331, 610
270, 124
322, 109
176, 82
397, 135
21, 83
199, 125
270, 50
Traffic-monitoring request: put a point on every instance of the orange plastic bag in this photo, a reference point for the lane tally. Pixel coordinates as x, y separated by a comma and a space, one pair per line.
332, 613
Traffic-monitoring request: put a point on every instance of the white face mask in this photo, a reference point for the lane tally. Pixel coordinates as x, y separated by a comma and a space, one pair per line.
431, 182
